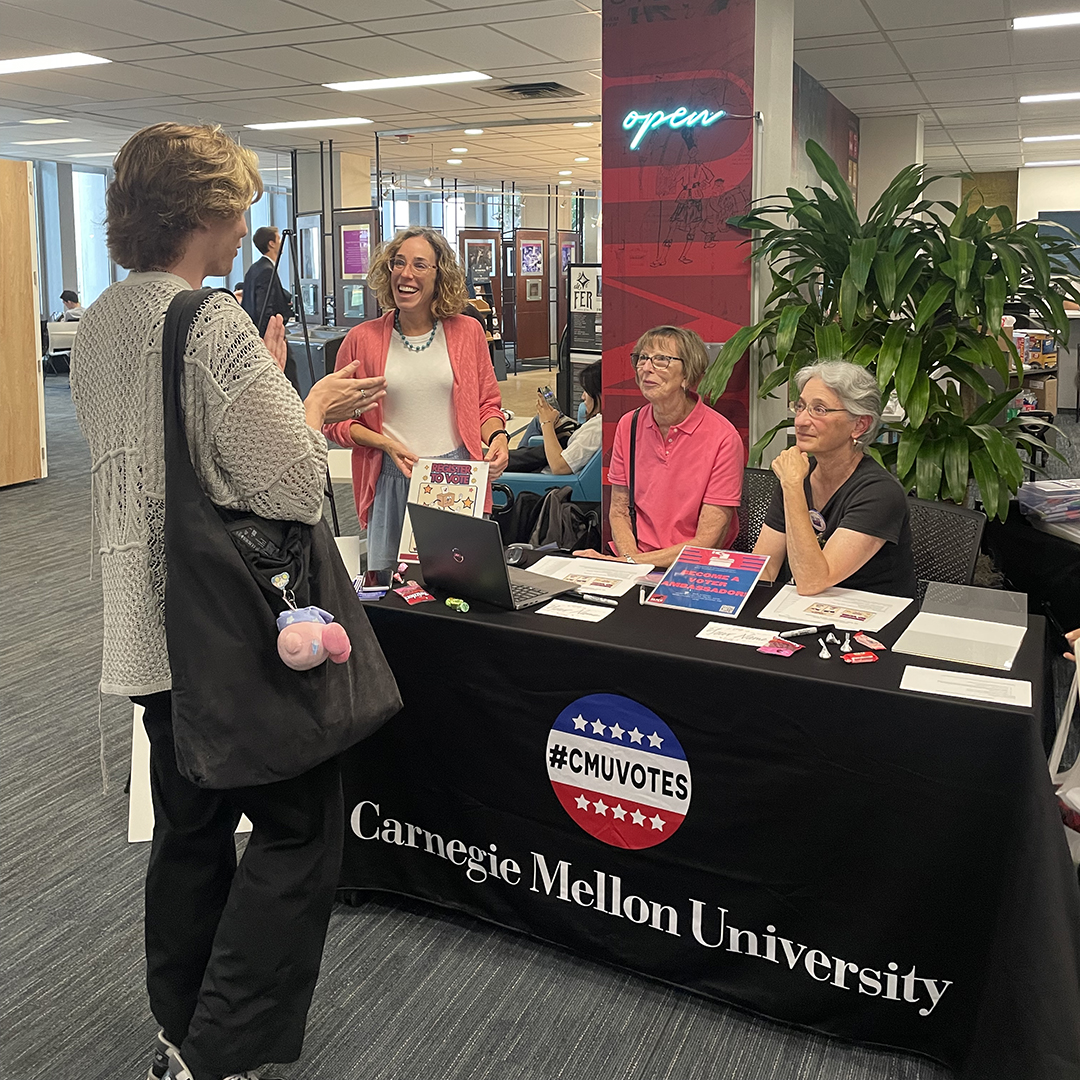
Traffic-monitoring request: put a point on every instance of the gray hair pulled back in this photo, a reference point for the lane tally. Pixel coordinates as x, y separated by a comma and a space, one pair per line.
856, 388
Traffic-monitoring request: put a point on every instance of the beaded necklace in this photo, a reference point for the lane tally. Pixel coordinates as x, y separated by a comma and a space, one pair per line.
405, 341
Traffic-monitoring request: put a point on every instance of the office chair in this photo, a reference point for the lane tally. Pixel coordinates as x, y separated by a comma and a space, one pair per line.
945, 542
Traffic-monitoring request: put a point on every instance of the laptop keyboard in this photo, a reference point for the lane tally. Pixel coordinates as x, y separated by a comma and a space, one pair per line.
522, 594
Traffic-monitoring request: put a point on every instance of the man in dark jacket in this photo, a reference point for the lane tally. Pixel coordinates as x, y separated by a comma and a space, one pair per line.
260, 277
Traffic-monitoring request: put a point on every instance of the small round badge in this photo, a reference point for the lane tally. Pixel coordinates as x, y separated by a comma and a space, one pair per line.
817, 521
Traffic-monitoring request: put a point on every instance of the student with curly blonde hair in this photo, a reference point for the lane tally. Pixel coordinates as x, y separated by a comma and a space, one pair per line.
441, 396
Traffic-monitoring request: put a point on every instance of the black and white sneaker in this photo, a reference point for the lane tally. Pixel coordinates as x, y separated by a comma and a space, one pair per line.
177, 1070
159, 1064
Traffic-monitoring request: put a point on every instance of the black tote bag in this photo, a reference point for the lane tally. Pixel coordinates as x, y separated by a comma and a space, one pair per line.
240, 716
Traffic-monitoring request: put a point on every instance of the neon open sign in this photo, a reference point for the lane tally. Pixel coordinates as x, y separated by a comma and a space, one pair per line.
680, 118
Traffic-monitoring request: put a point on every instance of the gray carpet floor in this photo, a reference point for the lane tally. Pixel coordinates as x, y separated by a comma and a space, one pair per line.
407, 992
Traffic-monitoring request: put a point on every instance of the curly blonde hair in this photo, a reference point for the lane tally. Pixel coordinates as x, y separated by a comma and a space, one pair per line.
451, 295
169, 179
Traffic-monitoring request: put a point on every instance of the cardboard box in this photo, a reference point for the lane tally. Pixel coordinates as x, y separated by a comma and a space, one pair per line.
1044, 388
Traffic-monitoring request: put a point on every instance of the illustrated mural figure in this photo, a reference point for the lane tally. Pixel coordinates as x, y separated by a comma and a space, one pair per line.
696, 184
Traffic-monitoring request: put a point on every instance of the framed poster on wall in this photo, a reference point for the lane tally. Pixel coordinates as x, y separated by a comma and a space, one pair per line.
532, 259
534, 289
479, 260
355, 251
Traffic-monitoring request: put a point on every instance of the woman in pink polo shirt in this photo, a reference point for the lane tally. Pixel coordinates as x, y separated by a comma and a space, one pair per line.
688, 459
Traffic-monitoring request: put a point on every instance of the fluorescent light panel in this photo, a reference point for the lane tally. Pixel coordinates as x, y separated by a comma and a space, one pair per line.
1038, 22
284, 125
1047, 164
453, 161
409, 80
459, 149
474, 131
99, 153
49, 120
583, 123
1050, 138
47, 63
45, 142
1031, 99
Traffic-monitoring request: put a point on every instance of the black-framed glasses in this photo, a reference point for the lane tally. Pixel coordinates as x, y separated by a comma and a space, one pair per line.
658, 360
817, 410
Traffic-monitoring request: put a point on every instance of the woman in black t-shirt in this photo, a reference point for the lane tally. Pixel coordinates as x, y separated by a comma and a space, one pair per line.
841, 519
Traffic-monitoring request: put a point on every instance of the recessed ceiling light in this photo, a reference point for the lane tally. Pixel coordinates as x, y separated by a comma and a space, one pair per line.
409, 80
581, 159
1036, 22
459, 149
583, 123
1044, 164
45, 142
453, 161
1050, 138
566, 172
338, 121
1030, 99
44, 120
47, 63
474, 131
566, 181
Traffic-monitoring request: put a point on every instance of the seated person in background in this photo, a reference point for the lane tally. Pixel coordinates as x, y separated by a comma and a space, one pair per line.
238, 292
841, 519
73, 310
557, 455
689, 459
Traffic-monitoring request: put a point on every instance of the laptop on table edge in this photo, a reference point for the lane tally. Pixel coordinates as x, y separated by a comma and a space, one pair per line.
463, 556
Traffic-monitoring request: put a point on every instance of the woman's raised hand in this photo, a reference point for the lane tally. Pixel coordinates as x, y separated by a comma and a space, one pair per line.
341, 396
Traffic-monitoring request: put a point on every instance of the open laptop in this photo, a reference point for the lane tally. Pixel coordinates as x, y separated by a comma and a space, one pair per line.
464, 556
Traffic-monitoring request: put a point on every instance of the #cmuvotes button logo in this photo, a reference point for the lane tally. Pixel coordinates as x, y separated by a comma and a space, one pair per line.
618, 771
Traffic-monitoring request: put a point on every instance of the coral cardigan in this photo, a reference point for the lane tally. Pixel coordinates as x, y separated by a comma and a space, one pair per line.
475, 395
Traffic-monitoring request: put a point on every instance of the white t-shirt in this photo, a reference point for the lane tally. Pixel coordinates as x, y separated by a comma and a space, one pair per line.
418, 410
583, 444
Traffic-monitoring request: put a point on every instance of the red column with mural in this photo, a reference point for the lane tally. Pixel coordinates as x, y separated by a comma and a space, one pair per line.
674, 171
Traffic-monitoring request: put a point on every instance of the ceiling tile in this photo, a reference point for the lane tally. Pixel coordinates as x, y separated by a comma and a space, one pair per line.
213, 70
1000, 88
305, 67
572, 37
831, 19
248, 17
973, 51
486, 16
473, 48
372, 57
892, 94
833, 63
352, 10
60, 33
917, 13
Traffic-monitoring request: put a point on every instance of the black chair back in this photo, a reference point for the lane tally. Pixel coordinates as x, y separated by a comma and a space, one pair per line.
945, 541
757, 491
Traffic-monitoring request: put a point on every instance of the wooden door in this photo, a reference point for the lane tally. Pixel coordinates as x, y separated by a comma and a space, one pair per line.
22, 395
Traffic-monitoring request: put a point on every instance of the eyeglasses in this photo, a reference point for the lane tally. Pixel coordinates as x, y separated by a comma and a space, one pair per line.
817, 410
659, 361
418, 267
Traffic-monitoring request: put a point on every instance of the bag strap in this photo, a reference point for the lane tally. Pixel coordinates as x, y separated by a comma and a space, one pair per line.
179, 318
633, 459
1064, 724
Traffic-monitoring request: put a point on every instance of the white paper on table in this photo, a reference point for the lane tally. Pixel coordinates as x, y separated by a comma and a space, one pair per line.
567, 609
846, 609
737, 635
962, 685
963, 641
601, 576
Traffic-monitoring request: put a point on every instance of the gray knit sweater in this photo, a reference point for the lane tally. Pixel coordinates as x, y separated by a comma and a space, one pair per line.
251, 448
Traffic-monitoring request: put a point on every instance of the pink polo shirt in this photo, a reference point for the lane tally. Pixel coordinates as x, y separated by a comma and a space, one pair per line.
700, 462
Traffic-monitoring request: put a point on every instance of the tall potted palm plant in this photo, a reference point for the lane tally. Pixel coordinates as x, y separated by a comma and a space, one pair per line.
918, 300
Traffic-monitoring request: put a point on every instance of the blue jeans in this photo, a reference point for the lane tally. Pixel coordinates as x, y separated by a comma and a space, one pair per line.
387, 512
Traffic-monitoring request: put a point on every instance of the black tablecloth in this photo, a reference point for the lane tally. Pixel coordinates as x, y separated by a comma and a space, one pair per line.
878, 865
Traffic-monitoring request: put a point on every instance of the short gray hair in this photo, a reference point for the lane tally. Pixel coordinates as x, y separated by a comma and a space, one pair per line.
856, 388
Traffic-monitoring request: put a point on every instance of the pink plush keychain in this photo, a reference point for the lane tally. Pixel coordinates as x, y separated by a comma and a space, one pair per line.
308, 636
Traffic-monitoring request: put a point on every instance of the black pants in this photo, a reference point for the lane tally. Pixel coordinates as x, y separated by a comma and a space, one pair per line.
233, 952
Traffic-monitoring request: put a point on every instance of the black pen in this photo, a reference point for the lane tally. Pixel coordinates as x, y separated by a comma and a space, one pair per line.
804, 630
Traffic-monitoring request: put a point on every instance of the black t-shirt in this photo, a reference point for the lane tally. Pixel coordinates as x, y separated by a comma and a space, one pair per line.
871, 502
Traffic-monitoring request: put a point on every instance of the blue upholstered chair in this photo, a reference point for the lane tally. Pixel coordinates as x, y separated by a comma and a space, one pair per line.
585, 484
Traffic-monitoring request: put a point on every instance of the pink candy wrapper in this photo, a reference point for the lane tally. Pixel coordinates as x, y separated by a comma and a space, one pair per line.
780, 647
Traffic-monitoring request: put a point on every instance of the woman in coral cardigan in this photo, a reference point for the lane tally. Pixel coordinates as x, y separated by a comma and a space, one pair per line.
441, 396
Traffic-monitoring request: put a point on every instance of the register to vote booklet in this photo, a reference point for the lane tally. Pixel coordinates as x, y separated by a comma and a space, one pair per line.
709, 580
